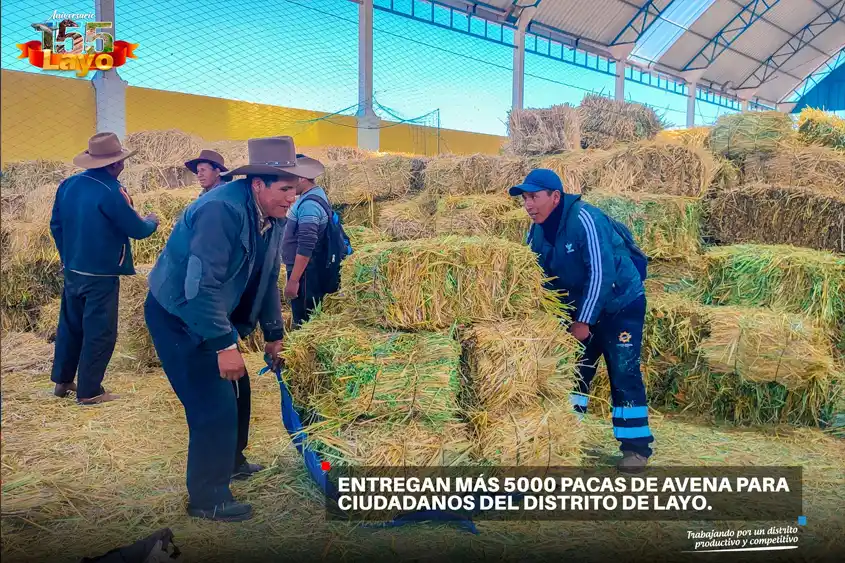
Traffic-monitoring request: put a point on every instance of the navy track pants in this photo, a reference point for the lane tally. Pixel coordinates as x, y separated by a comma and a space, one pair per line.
619, 339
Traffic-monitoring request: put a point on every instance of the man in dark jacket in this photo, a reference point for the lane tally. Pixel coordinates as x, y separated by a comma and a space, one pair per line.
594, 261
92, 222
215, 280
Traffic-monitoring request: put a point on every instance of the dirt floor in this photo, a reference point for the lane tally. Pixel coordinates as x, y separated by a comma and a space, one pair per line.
80, 481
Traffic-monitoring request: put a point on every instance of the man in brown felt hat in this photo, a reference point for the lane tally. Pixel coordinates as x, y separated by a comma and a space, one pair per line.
208, 166
215, 281
92, 222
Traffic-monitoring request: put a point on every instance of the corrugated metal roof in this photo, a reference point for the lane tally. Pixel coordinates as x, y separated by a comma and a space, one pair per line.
600, 21
596, 20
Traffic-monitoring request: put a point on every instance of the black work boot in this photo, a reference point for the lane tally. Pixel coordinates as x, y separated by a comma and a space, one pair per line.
246, 470
232, 511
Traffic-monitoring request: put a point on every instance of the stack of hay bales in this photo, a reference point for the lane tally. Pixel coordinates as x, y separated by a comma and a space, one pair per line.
415, 361
159, 163
795, 196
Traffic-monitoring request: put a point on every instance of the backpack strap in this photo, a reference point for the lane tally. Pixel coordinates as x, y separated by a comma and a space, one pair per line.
323, 203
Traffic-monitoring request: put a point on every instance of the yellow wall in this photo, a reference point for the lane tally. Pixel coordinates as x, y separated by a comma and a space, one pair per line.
43, 116
52, 118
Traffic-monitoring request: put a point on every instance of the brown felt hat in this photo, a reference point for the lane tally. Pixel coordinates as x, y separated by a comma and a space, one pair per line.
209, 156
103, 149
276, 156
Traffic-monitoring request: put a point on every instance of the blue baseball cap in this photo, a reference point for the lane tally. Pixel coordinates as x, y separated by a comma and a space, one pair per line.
537, 180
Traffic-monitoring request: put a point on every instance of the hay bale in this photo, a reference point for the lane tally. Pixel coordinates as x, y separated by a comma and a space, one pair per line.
739, 134
168, 205
795, 280
435, 283
542, 435
543, 131
763, 346
572, 168
475, 174
407, 220
605, 122
359, 214
771, 214
471, 215
27, 283
738, 365
145, 177
664, 226
24, 353
30, 241
21, 178
234, 153
362, 236
693, 137
391, 443
817, 127
514, 225
805, 167
169, 146
369, 179
344, 371
653, 167
509, 364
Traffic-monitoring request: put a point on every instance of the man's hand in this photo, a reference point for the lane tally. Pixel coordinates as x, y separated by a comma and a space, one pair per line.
152, 217
292, 289
231, 364
274, 350
581, 331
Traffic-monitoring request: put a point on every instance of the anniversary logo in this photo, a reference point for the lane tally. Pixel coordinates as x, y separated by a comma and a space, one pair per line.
95, 50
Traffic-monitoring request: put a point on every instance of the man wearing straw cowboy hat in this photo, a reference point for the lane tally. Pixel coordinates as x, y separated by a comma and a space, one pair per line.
207, 167
215, 280
594, 259
92, 222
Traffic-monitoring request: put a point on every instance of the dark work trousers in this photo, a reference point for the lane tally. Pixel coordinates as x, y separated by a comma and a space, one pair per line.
215, 421
243, 394
310, 296
87, 332
619, 339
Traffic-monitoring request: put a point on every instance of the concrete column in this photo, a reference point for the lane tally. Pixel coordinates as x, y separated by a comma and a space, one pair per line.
519, 57
620, 80
745, 108
109, 88
693, 87
620, 54
368, 121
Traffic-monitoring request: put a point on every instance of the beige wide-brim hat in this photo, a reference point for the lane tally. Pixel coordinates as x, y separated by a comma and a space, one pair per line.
275, 156
103, 149
206, 155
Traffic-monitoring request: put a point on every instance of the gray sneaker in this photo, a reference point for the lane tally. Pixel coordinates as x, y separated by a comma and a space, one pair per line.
632, 462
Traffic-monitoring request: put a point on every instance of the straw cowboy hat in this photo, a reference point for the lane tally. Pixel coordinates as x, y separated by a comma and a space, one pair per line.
103, 149
274, 156
209, 156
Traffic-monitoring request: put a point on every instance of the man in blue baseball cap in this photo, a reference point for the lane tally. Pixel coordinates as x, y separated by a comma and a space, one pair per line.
595, 261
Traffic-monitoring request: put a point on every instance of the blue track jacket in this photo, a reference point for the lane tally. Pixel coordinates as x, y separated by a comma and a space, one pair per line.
589, 261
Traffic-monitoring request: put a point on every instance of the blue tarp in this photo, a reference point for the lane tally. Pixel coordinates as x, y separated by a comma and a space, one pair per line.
313, 463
